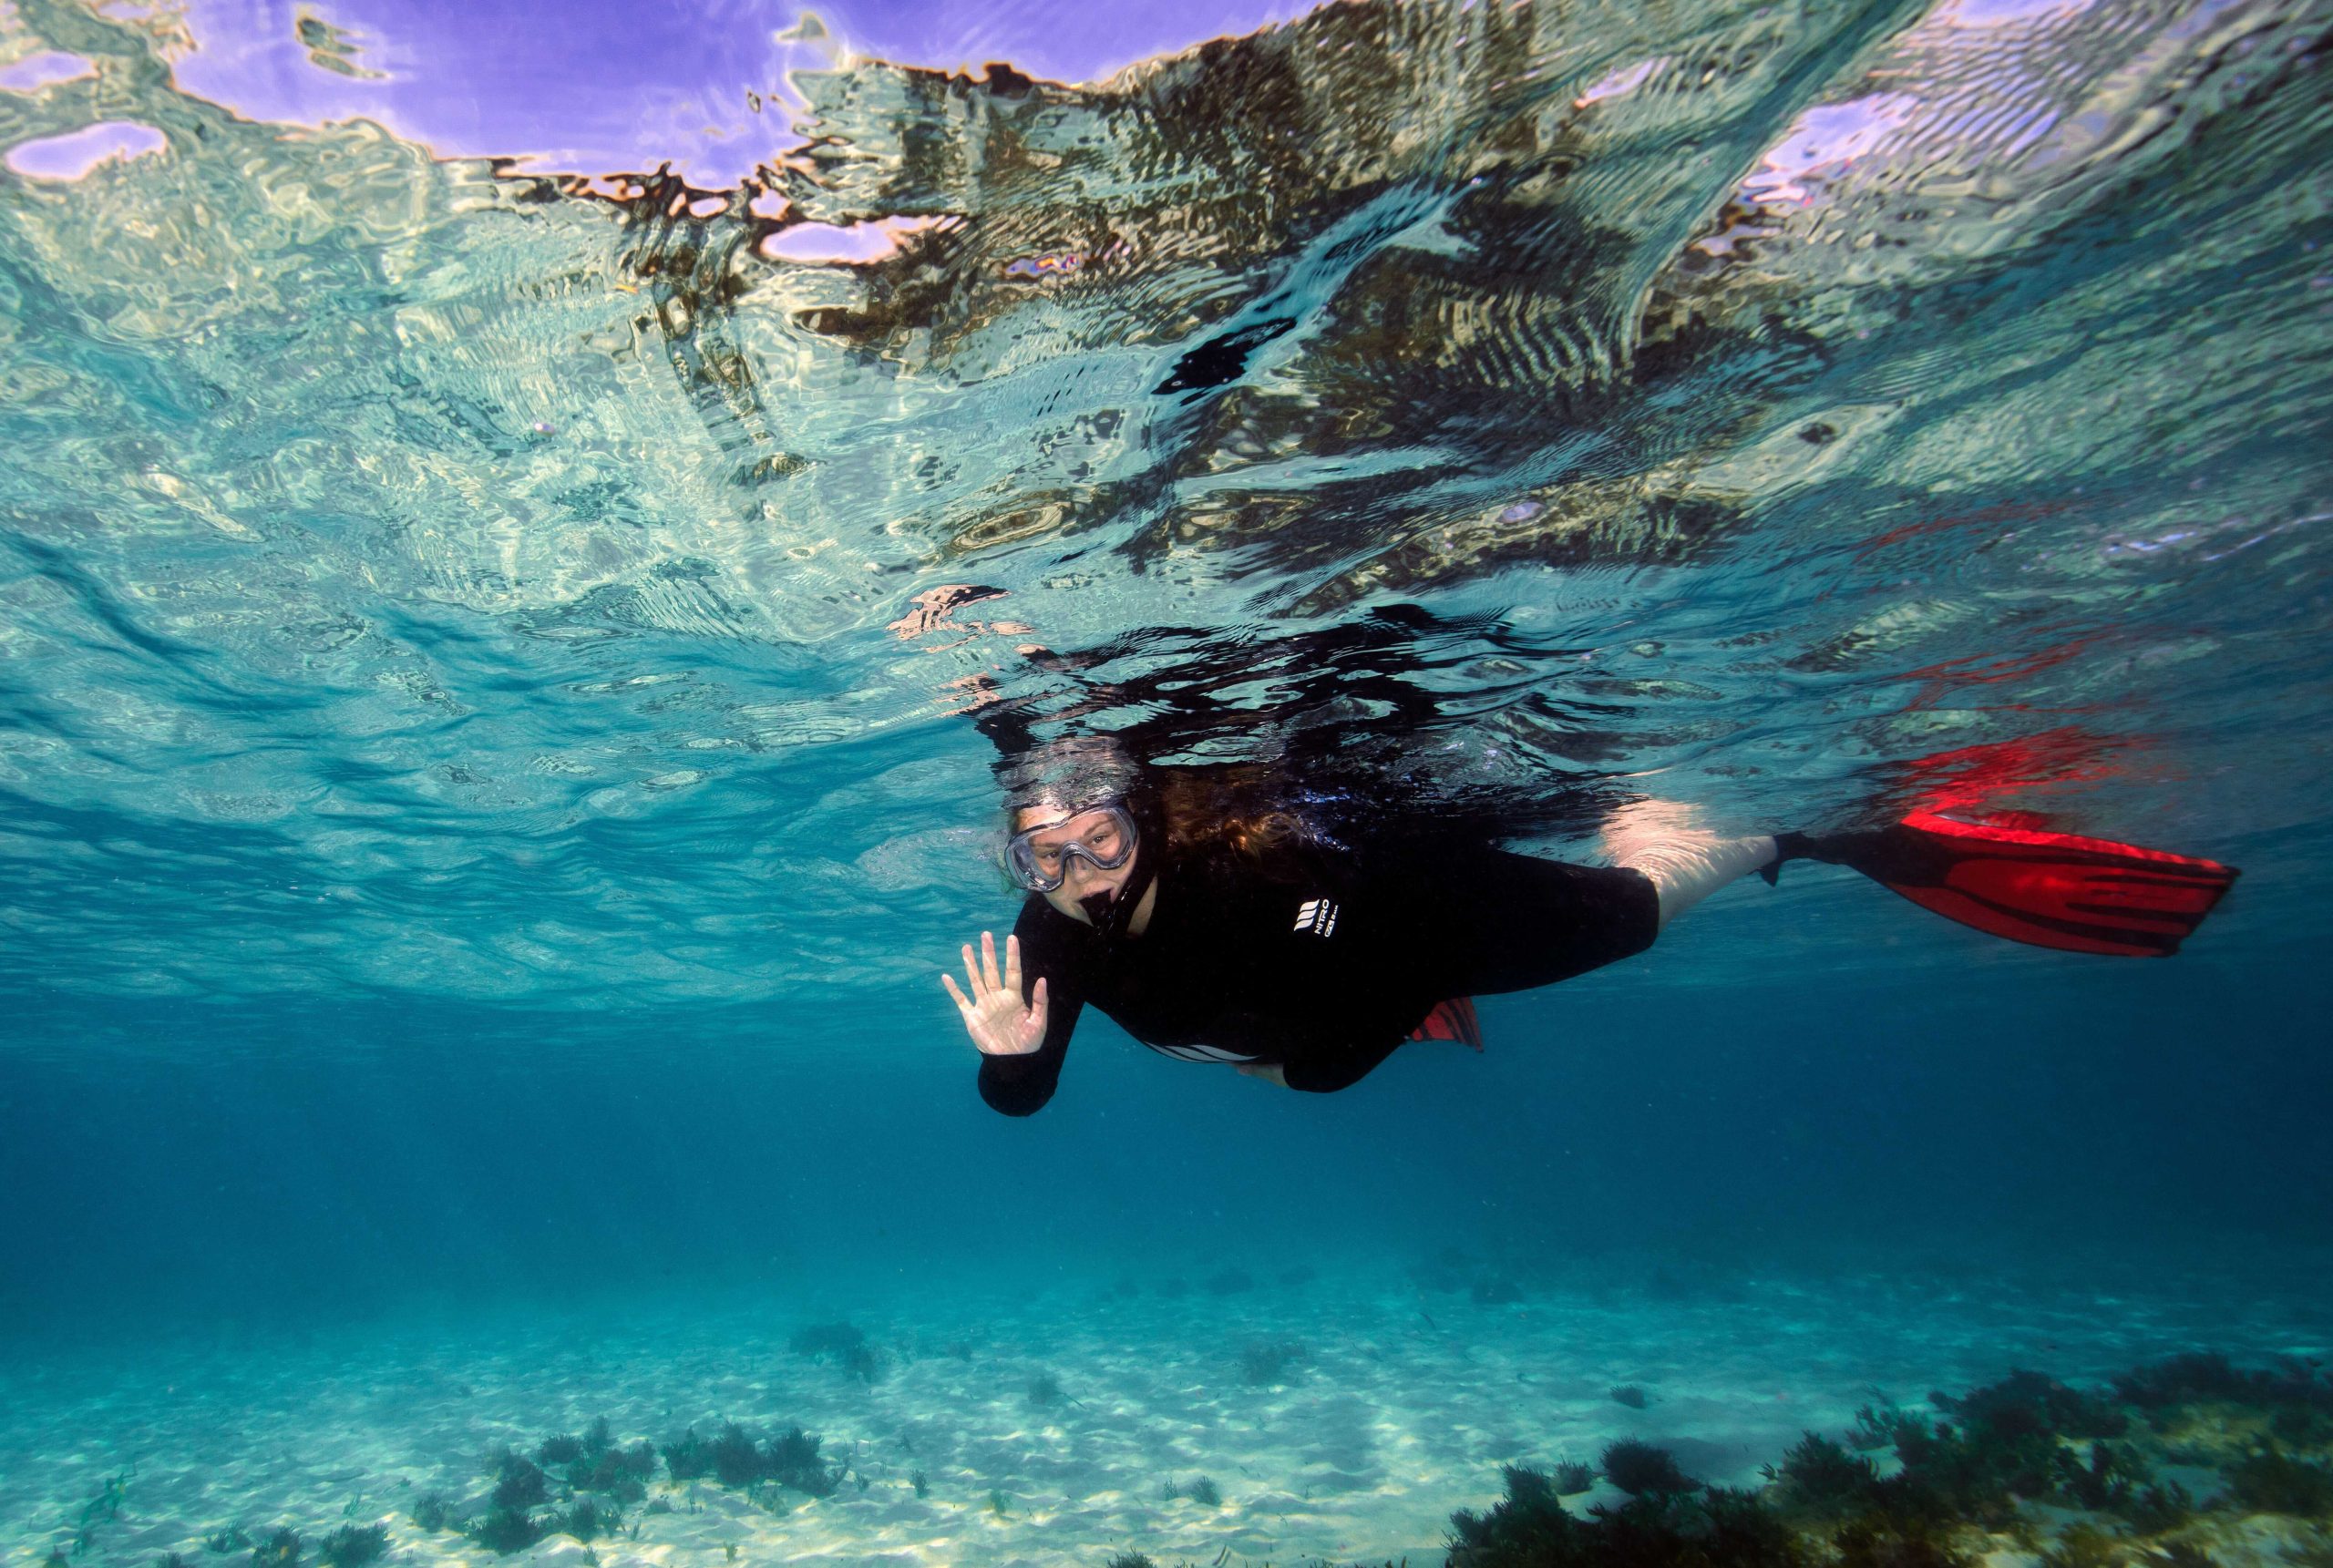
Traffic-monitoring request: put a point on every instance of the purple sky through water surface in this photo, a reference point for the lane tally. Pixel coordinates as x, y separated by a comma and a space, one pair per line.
597, 87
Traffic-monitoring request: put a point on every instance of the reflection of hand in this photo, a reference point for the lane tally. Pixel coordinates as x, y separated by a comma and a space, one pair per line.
1270, 1072
993, 1015
978, 691
934, 607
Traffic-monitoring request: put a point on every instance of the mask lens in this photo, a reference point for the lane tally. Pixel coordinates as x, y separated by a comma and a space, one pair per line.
1039, 858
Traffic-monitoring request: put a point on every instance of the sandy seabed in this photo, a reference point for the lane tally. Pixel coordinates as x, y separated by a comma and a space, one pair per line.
1395, 1404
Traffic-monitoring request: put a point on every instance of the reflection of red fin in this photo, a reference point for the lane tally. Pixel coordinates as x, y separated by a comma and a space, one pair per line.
2058, 890
1971, 778
1452, 1020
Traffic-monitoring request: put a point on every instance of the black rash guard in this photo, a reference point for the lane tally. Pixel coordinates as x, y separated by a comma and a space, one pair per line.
1318, 962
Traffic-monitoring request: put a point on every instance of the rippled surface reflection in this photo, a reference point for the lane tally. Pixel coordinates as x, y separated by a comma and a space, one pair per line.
432, 572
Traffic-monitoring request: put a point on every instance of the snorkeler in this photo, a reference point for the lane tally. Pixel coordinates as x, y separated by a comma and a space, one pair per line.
1213, 933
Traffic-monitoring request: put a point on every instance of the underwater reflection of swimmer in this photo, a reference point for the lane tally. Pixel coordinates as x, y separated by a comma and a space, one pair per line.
1212, 930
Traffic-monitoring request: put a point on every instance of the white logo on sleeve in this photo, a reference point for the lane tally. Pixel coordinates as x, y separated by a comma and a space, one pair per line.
1317, 915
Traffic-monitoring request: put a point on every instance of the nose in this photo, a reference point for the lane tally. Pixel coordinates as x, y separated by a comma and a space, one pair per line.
1083, 873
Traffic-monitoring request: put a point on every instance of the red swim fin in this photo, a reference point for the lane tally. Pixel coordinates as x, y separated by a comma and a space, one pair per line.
2050, 890
1452, 1020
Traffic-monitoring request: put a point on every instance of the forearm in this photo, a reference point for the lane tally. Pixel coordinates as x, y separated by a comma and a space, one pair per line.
1018, 1085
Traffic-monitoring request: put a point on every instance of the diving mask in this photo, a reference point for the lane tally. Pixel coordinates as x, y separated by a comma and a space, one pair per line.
1103, 836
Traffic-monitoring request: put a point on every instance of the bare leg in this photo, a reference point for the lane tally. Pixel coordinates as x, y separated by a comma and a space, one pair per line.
1686, 862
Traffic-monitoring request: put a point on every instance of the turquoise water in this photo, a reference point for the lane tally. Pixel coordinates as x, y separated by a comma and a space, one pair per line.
487, 784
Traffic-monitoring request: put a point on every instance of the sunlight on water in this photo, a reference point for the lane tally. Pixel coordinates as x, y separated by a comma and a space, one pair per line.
449, 573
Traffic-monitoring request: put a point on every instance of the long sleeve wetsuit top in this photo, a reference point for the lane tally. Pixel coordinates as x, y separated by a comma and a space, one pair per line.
1318, 962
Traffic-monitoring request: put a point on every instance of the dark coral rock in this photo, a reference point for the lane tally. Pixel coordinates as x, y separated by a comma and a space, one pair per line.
2024, 1403
842, 1344
1265, 1362
585, 1519
794, 1462
1528, 1487
688, 1456
1824, 1479
1878, 1541
1971, 1473
281, 1549
735, 1458
1641, 1470
503, 1530
519, 1481
2110, 1481
2302, 1427
353, 1545
2272, 1482
1571, 1477
2165, 1506
622, 1473
2198, 1376
566, 1448
1530, 1529
738, 1461
1875, 1429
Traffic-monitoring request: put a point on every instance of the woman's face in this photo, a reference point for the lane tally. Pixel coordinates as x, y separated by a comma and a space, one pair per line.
1081, 880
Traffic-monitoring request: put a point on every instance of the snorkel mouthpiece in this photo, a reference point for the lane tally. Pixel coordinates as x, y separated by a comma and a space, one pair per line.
1111, 914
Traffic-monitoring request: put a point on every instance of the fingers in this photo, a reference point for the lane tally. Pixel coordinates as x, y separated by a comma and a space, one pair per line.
994, 1012
974, 1024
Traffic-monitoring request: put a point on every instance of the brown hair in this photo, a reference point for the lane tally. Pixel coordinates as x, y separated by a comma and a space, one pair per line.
1232, 807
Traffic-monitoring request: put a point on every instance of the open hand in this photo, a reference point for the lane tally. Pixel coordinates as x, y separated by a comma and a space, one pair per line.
994, 1014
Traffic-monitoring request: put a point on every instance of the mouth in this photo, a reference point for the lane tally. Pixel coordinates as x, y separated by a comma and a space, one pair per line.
1097, 906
